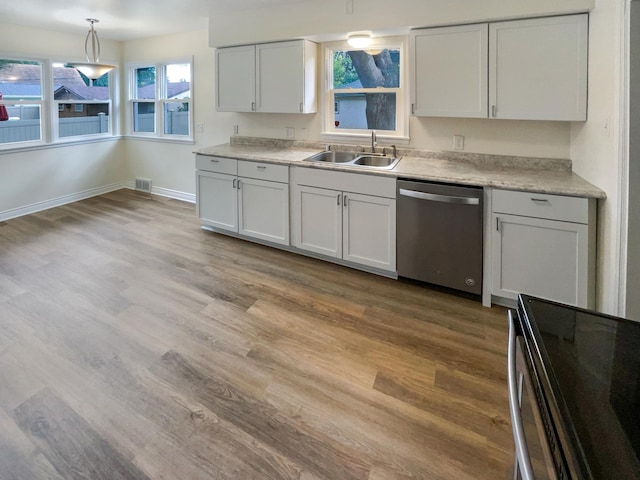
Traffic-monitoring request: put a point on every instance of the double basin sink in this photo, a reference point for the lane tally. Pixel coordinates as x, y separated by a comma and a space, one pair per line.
355, 159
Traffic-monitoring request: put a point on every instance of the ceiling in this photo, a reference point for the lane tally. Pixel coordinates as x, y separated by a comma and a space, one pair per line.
124, 19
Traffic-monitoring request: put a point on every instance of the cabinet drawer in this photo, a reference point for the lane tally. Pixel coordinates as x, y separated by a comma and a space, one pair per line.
540, 205
217, 164
264, 171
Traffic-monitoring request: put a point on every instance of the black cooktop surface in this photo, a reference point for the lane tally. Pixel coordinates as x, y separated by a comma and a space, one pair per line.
591, 366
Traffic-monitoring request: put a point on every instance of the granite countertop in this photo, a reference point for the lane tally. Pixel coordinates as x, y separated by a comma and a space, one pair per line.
553, 176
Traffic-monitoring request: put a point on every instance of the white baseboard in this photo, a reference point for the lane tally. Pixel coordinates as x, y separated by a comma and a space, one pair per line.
74, 197
57, 202
166, 192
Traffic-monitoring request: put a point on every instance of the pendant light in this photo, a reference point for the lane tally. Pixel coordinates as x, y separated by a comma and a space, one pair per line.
93, 69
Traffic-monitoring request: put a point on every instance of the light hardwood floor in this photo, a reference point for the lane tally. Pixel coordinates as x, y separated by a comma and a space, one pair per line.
134, 345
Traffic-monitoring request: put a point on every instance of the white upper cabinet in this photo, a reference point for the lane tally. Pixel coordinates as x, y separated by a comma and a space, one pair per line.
271, 78
236, 79
286, 73
538, 68
449, 71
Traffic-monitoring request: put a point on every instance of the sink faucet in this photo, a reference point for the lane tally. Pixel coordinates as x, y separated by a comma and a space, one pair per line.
373, 141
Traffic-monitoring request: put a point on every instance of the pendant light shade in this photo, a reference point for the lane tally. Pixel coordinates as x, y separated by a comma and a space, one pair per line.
93, 69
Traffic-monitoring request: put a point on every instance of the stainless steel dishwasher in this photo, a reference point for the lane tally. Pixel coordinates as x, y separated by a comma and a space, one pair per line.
439, 230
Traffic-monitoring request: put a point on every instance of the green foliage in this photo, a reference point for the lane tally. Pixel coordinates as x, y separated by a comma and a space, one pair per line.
4, 63
146, 76
343, 70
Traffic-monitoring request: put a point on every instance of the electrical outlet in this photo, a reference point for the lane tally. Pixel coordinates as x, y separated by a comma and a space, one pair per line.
458, 142
199, 127
235, 130
289, 132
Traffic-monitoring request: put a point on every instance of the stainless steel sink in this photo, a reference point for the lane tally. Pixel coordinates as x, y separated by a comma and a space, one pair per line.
355, 159
376, 161
333, 157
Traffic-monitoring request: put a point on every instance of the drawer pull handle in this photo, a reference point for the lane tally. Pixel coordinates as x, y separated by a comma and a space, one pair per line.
214, 160
539, 200
261, 167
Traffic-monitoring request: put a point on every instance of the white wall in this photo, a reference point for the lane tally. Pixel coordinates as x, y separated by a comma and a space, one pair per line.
39, 177
595, 149
172, 165
327, 18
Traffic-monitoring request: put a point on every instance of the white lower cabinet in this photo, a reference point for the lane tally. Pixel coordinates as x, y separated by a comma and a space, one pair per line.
543, 245
351, 225
248, 198
263, 210
217, 200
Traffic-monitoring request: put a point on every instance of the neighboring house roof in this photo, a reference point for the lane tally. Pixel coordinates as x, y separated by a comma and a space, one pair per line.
15, 91
68, 84
174, 90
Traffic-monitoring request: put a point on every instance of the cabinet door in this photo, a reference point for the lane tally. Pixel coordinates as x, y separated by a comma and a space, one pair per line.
236, 79
538, 68
217, 200
450, 71
369, 230
318, 220
280, 77
263, 208
543, 258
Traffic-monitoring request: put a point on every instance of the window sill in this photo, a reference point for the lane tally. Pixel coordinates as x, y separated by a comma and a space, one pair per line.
57, 144
149, 138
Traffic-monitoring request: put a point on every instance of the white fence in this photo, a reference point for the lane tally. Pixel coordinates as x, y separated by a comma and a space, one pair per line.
13, 131
25, 130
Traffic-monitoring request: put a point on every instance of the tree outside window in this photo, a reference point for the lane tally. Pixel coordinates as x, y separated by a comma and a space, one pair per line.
366, 91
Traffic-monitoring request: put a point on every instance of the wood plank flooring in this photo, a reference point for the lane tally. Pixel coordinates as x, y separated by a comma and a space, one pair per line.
134, 345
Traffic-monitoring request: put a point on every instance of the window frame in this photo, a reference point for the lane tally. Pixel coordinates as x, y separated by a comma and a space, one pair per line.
160, 101
45, 67
328, 100
55, 112
49, 108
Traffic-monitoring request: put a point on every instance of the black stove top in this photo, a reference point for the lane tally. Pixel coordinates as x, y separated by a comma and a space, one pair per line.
589, 367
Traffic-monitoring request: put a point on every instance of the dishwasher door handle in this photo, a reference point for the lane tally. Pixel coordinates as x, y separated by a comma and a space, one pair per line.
439, 198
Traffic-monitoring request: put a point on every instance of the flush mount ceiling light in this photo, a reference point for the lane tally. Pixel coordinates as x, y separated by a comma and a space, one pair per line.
93, 69
359, 40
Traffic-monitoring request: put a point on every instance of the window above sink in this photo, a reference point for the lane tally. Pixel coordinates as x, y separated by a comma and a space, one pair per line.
365, 89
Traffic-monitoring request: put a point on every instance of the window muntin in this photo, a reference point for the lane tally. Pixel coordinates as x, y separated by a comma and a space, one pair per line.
22, 102
160, 100
365, 90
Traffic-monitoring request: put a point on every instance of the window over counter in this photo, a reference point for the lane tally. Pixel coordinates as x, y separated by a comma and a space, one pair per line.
160, 100
366, 89
45, 102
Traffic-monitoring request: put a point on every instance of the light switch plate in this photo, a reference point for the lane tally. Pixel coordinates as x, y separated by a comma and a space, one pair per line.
458, 142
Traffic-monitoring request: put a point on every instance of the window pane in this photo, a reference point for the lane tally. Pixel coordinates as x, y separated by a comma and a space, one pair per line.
144, 117
20, 80
178, 80
366, 69
23, 124
176, 118
367, 111
146, 83
83, 119
70, 84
